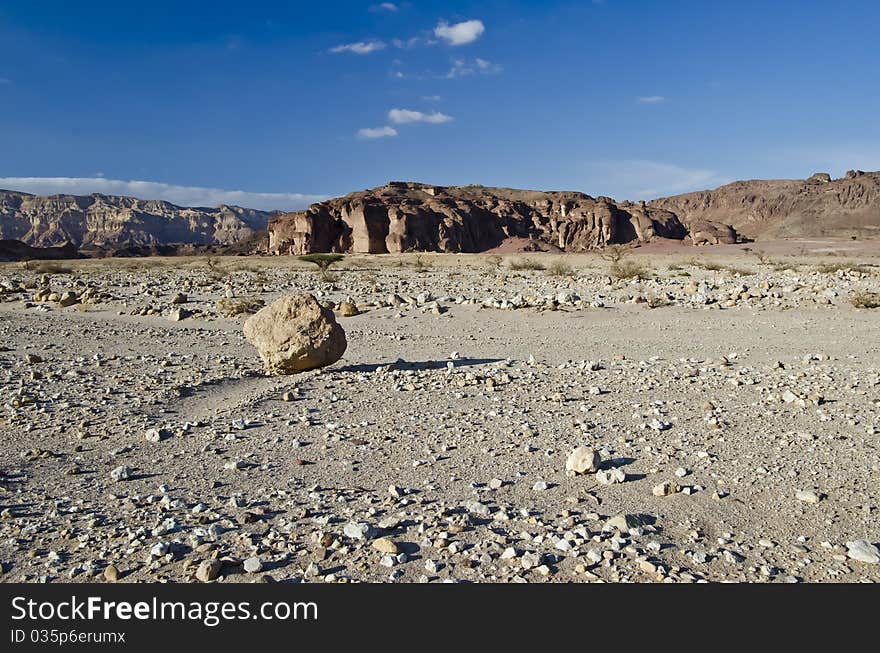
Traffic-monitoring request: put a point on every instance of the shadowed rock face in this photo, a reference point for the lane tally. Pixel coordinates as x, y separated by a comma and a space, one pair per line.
109, 220
401, 217
787, 208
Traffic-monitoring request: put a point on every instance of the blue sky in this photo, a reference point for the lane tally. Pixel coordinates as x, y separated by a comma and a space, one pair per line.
289, 102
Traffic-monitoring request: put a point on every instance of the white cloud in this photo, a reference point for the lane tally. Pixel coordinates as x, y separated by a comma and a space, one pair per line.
651, 99
463, 68
361, 47
403, 116
376, 132
636, 179
385, 6
181, 195
460, 33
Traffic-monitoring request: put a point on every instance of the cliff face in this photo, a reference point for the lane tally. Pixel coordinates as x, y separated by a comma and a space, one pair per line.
401, 217
797, 208
107, 220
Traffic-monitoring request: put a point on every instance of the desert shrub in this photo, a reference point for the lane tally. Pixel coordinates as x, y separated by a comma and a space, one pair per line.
323, 261
866, 299
657, 302
833, 268
525, 264
622, 266
560, 268
47, 267
629, 270
235, 306
761, 255
421, 265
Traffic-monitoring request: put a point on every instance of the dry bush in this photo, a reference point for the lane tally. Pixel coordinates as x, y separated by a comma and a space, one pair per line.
866, 299
629, 270
560, 268
622, 266
235, 306
48, 267
421, 265
525, 264
833, 268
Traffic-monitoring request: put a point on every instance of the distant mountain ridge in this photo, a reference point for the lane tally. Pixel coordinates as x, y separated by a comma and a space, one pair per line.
97, 220
410, 216
788, 208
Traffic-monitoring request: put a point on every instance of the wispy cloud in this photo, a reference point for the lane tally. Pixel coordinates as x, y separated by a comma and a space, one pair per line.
459, 33
636, 179
406, 44
376, 132
181, 195
5, 80
463, 68
651, 99
361, 47
403, 116
385, 6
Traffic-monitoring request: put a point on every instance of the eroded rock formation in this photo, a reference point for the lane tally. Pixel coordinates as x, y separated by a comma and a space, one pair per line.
403, 216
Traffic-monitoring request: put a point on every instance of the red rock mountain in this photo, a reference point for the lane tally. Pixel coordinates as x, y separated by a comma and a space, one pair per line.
405, 216
788, 208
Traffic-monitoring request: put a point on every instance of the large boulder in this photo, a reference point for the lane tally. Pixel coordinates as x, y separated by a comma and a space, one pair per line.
295, 333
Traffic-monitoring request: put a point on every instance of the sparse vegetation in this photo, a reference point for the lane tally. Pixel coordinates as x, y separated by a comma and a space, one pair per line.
323, 261
866, 299
421, 265
834, 268
622, 266
47, 267
525, 264
714, 266
560, 268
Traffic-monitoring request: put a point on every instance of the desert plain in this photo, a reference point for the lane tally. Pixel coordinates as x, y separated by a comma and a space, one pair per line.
732, 394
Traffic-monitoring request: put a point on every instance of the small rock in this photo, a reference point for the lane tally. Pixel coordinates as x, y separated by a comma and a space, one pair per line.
863, 551
253, 565
385, 545
583, 460
121, 473
208, 570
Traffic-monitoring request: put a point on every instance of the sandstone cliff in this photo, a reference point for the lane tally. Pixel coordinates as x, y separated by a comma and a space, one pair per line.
403, 216
796, 208
108, 220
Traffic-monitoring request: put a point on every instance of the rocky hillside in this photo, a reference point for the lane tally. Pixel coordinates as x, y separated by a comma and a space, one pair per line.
403, 216
111, 221
796, 208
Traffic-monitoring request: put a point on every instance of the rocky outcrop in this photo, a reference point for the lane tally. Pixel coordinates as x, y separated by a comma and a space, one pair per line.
15, 250
294, 334
797, 208
403, 217
113, 221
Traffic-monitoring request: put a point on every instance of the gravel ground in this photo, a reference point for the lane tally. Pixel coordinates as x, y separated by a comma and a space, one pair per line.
735, 407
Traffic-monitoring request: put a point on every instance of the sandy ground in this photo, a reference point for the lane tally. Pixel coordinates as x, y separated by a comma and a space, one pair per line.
435, 450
